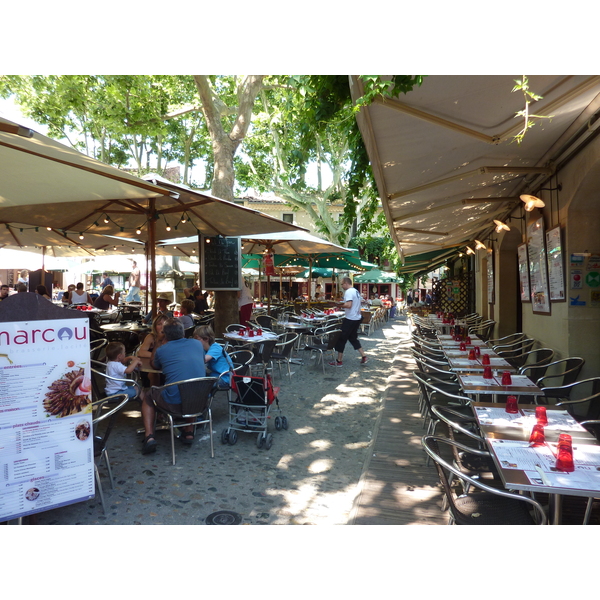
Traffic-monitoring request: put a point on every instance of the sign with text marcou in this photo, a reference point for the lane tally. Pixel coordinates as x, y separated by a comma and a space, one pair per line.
221, 263
46, 441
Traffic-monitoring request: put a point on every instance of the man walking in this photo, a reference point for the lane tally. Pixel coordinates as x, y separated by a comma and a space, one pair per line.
350, 323
134, 284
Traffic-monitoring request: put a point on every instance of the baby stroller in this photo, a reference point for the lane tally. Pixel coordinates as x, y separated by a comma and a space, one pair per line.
249, 412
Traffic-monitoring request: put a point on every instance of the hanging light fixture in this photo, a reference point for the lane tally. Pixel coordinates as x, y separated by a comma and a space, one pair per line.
469, 250
532, 202
479, 245
500, 226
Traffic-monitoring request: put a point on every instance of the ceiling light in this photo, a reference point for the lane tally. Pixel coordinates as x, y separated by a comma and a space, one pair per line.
469, 250
81, 236
501, 226
479, 245
139, 230
532, 202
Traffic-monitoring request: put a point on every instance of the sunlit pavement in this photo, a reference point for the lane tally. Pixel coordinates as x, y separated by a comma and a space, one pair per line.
309, 476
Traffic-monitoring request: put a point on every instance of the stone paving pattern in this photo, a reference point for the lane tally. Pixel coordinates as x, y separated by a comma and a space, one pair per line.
309, 476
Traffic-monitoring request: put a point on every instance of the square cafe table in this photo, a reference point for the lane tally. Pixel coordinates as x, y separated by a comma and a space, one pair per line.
532, 469
475, 384
464, 365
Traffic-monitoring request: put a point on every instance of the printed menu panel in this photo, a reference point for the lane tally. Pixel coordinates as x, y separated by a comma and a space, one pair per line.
46, 441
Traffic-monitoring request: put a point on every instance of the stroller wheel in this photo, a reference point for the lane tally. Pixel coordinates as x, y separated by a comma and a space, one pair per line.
278, 424
233, 437
284, 422
260, 440
269, 441
224, 436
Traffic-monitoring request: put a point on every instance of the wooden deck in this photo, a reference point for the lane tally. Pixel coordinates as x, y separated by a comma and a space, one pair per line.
397, 487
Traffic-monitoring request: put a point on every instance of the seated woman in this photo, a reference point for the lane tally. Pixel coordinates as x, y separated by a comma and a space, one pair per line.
152, 341
80, 296
216, 359
186, 309
42, 291
105, 300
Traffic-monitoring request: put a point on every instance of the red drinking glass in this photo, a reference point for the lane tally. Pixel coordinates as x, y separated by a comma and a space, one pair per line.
506, 378
468, 340
462, 347
259, 331
564, 460
250, 332
477, 351
472, 355
485, 360
537, 437
512, 405
487, 373
540, 415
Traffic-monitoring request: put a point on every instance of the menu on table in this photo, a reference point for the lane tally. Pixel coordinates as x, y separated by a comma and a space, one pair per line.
559, 420
517, 381
539, 464
46, 438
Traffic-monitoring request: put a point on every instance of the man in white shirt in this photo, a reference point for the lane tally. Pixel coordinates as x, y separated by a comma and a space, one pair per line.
350, 323
134, 284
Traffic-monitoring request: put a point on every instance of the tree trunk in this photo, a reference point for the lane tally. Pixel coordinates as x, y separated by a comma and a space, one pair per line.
224, 146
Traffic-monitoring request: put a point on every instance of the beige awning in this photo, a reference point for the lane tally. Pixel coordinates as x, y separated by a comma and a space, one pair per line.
444, 156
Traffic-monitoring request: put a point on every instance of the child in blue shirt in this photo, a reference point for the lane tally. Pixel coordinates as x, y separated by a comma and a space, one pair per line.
119, 366
216, 359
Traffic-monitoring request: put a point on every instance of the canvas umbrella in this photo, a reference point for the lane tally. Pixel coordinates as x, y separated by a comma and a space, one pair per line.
297, 243
46, 184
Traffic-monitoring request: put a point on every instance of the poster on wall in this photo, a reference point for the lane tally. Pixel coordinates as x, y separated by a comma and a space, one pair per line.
46, 438
523, 273
490, 278
538, 271
556, 278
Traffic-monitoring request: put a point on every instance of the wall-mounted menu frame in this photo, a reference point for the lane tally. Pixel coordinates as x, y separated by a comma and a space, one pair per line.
490, 278
221, 263
523, 273
538, 267
556, 277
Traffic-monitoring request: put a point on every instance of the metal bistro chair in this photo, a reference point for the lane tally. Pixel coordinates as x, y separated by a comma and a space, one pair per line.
560, 372
196, 397
283, 351
532, 358
240, 359
582, 398
104, 413
99, 379
488, 505
324, 340
97, 347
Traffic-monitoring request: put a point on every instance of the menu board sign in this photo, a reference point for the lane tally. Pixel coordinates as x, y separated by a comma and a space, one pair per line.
556, 279
221, 263
538, 271
523, 273
46, 441
490, 278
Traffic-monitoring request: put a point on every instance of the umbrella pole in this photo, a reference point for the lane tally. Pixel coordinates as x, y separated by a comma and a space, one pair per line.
152, 253
310, 264
43, 259
268, 294
280, 286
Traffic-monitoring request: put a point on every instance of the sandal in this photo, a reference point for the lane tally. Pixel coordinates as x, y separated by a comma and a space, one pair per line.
149, 444
187, 437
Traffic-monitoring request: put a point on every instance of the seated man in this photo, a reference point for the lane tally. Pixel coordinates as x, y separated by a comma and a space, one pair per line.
179, 358
163, 303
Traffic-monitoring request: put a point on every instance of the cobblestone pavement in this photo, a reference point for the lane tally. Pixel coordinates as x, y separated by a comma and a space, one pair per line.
309, 476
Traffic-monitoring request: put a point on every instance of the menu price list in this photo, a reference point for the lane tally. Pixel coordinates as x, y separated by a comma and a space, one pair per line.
46, 441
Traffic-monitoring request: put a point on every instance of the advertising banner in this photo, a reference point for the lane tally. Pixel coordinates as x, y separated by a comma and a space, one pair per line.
46, 441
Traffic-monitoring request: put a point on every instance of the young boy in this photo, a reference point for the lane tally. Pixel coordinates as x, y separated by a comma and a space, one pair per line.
119, 366
186, 309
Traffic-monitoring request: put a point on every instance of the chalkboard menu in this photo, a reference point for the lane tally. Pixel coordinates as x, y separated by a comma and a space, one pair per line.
221, 263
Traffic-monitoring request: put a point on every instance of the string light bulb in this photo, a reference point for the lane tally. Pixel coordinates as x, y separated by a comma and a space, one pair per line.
479, 245
106, 219
81, 236
139, 230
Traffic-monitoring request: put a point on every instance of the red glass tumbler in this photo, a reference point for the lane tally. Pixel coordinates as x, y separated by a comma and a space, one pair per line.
472, 355
537, 437
477, 351
512, 406
564, 460
487, 373
485, 359
540, 415
462, 347
506, 378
